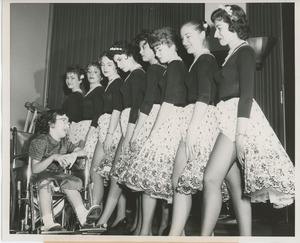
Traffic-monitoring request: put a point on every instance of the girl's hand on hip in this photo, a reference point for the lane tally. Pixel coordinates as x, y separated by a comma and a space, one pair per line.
107, 143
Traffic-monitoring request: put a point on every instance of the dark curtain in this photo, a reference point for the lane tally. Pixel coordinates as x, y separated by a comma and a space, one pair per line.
80, 32
288, 33
268, 19
265, 20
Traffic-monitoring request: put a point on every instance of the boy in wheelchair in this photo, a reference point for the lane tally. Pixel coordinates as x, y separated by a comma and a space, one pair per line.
51, 154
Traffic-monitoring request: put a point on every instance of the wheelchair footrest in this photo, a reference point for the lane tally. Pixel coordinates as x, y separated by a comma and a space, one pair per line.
92, 230
57, 232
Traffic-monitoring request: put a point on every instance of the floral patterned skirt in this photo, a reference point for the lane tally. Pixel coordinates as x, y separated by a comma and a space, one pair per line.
126, 176
77, 132
268, 172
156, 159
121, 164
191, 178
105, 165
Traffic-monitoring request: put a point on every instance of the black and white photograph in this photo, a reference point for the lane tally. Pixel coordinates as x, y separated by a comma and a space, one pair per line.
158, 121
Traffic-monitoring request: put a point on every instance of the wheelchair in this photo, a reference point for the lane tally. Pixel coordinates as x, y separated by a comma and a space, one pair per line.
25, 215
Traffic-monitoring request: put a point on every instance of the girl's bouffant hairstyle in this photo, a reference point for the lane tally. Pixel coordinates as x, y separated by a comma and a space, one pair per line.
77, 69
144, 35
235, 16
124, 47
165, 35
200, 25
42, 125
110, 56
94, 64
107, 54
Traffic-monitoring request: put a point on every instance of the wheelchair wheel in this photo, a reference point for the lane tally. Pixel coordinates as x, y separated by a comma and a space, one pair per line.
17, 202
13, 202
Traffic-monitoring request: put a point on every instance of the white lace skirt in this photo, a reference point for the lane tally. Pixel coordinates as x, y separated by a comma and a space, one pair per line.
191, 178
121, 164
154, 172
77, 132
268, 173
126, 176
105, 164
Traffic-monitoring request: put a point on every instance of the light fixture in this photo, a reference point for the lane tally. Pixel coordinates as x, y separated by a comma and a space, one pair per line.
262, 47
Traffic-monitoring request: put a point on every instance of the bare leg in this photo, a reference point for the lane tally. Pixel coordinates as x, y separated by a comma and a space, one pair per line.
112, 199
221, 159
241, 205
182, 203
97, 180
149, 205
137, 225
181, 210
45, 201
74, 198
165, 213
134, 225
121, 209
140, 217
114, 192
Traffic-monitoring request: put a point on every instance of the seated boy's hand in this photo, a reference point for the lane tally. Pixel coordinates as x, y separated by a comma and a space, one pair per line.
71, 158
62, 160
65, 160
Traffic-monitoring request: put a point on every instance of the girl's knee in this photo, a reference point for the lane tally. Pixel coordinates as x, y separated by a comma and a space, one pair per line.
210, 180
93, 174
96, 178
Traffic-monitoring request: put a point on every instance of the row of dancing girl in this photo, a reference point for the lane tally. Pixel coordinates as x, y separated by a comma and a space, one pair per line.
170, 132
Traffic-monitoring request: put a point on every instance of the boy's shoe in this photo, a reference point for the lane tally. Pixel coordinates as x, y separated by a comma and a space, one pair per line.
53, 227
93, 214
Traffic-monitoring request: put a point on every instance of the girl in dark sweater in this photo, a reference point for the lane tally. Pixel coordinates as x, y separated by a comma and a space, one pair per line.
132, 91
73, 104
109, 127
86, 131
199, 126
247, 147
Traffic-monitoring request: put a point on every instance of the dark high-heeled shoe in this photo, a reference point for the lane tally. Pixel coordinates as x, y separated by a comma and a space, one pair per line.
121, 228
166, 231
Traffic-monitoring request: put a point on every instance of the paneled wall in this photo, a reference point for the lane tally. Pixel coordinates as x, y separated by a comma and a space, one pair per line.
28, 46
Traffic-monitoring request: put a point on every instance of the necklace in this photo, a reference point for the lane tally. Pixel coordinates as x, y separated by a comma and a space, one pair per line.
233, 50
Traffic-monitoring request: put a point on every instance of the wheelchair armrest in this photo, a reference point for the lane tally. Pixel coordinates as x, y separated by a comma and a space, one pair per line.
19, 161
21, 156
